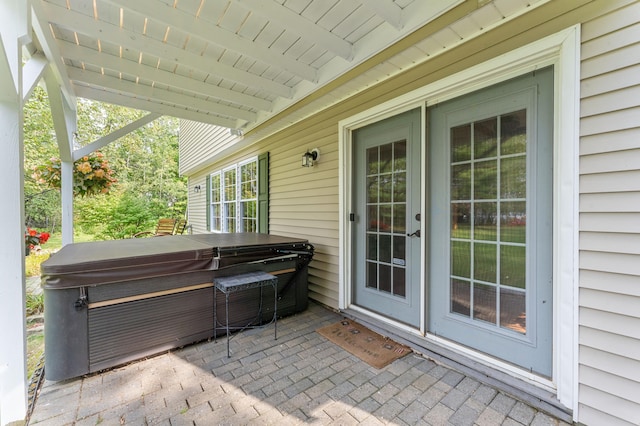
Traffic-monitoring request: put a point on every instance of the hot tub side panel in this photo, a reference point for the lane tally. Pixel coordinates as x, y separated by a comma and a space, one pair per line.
66, 337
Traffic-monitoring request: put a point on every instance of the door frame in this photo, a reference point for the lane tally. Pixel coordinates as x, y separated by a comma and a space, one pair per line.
562, 50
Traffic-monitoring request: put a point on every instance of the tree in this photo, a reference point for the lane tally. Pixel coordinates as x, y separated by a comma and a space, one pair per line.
145, 162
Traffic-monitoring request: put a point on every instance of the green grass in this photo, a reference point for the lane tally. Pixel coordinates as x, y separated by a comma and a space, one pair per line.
35, 348
35, 304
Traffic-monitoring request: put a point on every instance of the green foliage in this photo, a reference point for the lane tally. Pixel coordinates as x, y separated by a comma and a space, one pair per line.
145, 161
128, 213
34, 304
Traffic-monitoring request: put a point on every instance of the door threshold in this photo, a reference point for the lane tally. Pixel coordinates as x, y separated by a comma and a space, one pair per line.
531, 394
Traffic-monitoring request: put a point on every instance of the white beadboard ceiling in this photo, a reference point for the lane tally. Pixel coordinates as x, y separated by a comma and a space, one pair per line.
236, 63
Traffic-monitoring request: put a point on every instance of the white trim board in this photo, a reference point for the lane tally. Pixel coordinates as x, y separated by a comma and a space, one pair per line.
563, 51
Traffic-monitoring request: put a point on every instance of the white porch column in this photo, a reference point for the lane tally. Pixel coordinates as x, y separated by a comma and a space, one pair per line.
13, 387
64, 123
66, 194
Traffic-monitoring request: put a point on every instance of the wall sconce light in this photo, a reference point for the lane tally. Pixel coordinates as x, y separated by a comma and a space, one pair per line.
197, 188
309, 157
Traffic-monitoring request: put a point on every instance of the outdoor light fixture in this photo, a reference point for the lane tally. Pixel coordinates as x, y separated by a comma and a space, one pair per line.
309, 157
196, 188
235, 132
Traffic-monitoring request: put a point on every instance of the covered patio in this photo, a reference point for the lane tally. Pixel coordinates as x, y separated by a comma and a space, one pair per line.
269, 81
300, 378
248, 67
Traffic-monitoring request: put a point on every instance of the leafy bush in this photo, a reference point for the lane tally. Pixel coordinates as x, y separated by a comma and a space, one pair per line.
125, 214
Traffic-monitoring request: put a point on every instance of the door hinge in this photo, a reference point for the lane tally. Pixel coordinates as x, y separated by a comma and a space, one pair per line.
352, 217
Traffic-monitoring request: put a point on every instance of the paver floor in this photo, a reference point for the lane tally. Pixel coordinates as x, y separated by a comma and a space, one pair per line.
300, 378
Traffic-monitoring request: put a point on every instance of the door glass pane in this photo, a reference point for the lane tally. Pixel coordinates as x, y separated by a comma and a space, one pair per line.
399, 250
372, 161
399, 156
399, 218
460, 297
461, 143
372, 217
513, 312
513, 266
384, 283
485, 227
372, 189
386, 186
385, 248
488, 184
461, 182
484, 303
461, 259
386, 224
484, 262
386, 158
513, 132
485, 138
399, 282
372, 275
400, 187
513, 222
513, 177
485, 180
372, 247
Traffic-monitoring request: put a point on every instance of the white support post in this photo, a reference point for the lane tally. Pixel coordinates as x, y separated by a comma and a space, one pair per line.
13, 385
66, 192
64, 122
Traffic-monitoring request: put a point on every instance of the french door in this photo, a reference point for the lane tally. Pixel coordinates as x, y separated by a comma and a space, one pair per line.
386, 218
490, 204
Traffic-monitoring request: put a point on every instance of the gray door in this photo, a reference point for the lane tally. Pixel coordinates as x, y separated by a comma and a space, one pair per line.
386, 188
490, 286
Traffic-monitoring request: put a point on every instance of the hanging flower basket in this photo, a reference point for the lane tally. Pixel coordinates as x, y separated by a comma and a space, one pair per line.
91, 174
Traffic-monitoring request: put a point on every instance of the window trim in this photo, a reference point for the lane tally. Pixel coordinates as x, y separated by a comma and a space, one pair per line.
222, 203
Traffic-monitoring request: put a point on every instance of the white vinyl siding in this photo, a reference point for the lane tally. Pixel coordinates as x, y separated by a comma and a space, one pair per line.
208, 141
304, 202
609, 334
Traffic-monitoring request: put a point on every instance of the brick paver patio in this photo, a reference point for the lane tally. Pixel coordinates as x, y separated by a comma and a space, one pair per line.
300, 378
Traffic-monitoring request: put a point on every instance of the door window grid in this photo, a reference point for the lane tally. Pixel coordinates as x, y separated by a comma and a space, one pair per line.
234, 192
386, 218
488, 221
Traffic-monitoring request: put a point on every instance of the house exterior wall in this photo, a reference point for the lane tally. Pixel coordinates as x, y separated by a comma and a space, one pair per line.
609, 314
305, 202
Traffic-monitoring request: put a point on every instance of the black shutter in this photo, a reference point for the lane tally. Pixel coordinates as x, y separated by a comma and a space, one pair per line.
263, 193
207, 188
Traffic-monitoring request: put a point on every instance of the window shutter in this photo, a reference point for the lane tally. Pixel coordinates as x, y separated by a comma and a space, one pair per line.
263, 193
208, 201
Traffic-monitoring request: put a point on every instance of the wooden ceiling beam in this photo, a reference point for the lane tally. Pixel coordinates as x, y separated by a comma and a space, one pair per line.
298, 24
387, 10
211, 33
114, 63
163, 109
137, 42
156, 94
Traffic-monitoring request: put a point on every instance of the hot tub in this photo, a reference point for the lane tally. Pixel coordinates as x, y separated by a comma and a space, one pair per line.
111, 302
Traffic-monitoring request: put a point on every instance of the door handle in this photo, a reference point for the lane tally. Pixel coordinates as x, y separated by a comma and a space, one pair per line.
416, 233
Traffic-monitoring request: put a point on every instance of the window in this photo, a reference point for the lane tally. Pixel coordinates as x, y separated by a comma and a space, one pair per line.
234, 197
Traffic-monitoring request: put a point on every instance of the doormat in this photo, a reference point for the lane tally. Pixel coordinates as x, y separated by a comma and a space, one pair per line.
374, 349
